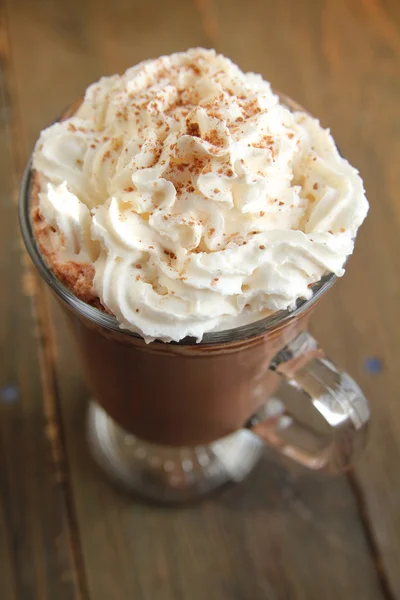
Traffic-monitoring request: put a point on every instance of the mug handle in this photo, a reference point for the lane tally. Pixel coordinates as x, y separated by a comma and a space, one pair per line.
332, 414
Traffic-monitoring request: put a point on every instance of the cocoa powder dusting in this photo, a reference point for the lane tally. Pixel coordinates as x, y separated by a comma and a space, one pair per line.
214, 138
193, 129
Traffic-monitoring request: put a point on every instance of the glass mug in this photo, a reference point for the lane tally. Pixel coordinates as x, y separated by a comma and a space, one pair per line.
174, 421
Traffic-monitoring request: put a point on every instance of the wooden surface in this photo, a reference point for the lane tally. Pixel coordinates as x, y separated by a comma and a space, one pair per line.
284, 534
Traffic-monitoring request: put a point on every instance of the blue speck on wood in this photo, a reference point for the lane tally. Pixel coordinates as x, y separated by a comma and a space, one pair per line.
9, 394
373, 365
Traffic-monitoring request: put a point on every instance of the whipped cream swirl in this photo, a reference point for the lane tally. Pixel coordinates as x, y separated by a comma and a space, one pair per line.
201, 201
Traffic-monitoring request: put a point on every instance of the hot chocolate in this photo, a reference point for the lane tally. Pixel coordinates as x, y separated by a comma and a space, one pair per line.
184, 202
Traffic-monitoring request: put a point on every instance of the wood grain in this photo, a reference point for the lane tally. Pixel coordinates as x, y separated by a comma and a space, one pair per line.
35, 554
8, 575
284, 533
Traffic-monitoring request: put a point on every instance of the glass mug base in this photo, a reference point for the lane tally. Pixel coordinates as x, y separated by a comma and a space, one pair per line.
169, 474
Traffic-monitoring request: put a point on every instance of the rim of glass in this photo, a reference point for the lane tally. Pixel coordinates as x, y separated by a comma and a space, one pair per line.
99, 317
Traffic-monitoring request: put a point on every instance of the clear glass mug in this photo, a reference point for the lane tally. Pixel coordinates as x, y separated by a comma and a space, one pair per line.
175, 421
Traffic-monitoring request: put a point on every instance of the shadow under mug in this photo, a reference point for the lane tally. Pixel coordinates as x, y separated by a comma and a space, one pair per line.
174, 421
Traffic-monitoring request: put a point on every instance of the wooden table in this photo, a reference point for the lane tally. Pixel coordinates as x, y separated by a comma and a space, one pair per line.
284, 534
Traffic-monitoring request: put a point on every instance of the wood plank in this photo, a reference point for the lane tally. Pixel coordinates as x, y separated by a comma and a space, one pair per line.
8, 391
341, 59
258, 540
35, 555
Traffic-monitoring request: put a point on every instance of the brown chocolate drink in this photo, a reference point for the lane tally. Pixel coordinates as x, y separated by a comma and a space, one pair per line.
175, 394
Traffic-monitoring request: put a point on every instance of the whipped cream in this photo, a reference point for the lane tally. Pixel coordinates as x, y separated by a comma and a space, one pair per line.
201, 201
